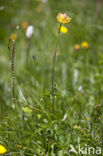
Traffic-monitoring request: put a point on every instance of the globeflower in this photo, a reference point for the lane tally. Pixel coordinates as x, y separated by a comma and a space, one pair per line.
2, 149
24, 25
63, 18
63, 30
84, 45
76, 47
13, 37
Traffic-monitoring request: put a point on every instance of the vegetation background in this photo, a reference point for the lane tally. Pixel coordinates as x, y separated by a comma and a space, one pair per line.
29, 129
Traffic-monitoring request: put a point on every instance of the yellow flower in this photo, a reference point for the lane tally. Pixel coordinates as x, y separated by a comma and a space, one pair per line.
76, 127
63, 29
13, 37
84, 45
63, 18
24, 25
76, 47
2, 149
27, 110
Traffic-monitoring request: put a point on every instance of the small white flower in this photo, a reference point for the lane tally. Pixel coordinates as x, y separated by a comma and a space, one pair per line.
29, 31
17, 27
64, 118
80, 89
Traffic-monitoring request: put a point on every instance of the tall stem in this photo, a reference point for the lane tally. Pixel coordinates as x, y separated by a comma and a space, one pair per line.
13, 70
53, 71
27, 49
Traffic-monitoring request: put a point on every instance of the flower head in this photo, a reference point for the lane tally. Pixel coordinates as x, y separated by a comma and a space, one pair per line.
2, 149
76, 47
63, 18
24, 25
13, 37
64, 30
29, 31
84, 45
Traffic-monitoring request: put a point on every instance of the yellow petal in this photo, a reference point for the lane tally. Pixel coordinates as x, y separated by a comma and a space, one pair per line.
63, 30
84, 45
2, 149
63, 18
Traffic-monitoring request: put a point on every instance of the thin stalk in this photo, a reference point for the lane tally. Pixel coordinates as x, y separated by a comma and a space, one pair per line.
27, 49
53, 71
13, 70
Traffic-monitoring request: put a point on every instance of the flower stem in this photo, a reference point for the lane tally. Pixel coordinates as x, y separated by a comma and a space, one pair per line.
27, 49
53, 71
13, 70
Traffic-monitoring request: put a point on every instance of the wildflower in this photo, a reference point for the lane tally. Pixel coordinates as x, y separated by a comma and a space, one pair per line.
63, 18
27, 110
17, 27
13, 37
76, 127
24, 25
84, 45
29, 31
76, 47
64, 118
2, 149
63, 29
80, 89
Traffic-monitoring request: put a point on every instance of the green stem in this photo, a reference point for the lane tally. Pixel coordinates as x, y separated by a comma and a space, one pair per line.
27, 50
13, 70
53, 71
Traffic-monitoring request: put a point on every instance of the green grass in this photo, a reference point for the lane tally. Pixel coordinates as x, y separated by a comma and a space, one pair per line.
34, 130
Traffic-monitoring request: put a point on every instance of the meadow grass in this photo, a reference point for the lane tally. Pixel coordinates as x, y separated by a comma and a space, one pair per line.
33, 128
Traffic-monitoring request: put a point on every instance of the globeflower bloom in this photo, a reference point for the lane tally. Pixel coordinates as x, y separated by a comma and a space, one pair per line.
76, 47
2, 149
63, 18
13, 37
84, 45
24, 25
63, 30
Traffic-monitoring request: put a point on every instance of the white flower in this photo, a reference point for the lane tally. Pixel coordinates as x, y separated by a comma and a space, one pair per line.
64, 118
29, 31
17, 27
80, 88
